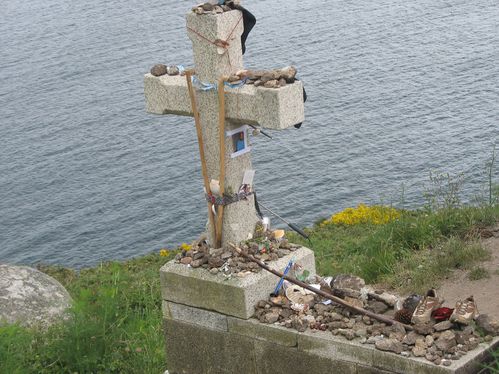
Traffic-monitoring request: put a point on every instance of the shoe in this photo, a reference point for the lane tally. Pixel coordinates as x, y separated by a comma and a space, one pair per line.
442, 314
422, 313
412, 302
465, 311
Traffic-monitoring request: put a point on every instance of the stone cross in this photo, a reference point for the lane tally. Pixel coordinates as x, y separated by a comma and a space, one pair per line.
273, 108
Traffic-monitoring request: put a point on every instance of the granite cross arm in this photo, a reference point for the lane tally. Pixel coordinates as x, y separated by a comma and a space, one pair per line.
272, 108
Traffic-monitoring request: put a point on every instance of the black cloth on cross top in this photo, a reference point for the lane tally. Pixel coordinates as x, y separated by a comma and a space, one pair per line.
249, 21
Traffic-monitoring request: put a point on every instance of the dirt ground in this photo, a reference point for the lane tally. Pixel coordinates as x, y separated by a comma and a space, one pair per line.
485, 291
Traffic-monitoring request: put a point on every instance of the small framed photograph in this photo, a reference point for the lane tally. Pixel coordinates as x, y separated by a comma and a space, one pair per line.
239, 138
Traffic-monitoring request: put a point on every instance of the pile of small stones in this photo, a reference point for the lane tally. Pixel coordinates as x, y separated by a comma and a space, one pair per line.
259, 78
161, 69
439, 342
209, 8
266, 78
228, 262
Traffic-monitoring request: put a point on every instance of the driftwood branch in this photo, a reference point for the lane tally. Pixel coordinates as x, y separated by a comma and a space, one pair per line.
333, 298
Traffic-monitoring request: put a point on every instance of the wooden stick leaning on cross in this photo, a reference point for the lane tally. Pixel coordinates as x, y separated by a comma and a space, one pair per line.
327, 295
221, 130
188, 76
221, 121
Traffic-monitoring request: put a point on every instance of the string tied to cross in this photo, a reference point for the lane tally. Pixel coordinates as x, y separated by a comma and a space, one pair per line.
227, 199
219, 43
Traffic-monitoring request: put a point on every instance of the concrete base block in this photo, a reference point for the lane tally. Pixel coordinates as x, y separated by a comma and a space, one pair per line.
208, 331
234, 296
199, 342
191, 349
196, 316
277, 359
256, 330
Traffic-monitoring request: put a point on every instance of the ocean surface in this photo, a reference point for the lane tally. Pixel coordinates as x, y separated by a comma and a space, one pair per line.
396, 90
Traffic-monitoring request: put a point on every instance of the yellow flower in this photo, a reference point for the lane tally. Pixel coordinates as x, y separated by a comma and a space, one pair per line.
185, 247
163, 252
376, 214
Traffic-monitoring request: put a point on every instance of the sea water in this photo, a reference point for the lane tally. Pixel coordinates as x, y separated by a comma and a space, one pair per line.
396, 90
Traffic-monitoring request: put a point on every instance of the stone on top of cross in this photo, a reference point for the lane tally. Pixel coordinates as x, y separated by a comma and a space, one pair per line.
216, 41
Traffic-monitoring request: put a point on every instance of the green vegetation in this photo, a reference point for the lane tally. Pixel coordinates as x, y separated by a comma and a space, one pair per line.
116, 322
115, 326
493, 367
411, 253
478, 273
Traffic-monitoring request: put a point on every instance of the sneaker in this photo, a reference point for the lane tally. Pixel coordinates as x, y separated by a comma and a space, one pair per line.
442, 314
411, 302
422, 313
465, 311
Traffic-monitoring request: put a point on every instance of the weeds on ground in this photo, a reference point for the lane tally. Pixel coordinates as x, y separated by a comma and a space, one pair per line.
493, 366
478, 273
114, 326
414, 251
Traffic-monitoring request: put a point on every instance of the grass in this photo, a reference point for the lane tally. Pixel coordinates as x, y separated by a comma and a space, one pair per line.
493, 366
478, 273
116, 324
412, 253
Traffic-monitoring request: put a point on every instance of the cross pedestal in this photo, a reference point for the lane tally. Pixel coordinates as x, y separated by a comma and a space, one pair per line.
273, 108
